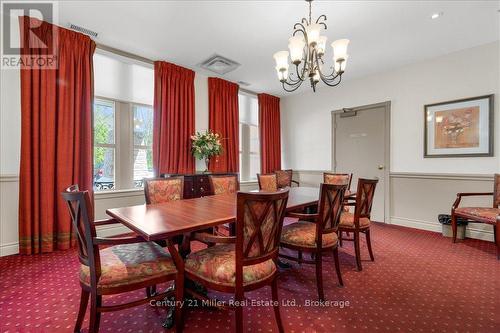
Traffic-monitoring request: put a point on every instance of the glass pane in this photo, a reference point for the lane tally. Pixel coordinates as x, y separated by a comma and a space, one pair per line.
143, 125
143, 165
254, 111
104, 122
254, 139
254, 166
104, 168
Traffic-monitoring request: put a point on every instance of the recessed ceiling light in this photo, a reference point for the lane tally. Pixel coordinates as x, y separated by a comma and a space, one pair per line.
436, 15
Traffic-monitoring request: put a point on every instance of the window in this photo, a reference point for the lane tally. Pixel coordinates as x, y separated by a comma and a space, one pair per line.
123, 122
249, 136
143, 141
104, 144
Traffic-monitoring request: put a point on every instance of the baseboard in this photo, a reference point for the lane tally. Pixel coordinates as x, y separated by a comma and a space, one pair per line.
104, 231
470, 232
9, 249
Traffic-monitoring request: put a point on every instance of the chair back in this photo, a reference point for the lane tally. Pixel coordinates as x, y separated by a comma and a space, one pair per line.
268, 182
284, 178
259, 220
331, 199
364, 198
222, 184
496, 191
159, 190
81, 211
337, 178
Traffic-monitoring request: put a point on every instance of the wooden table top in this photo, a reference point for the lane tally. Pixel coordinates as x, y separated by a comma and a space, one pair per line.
166, 220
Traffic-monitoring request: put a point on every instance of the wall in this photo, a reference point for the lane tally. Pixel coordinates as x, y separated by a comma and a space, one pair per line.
409, 89
10, 135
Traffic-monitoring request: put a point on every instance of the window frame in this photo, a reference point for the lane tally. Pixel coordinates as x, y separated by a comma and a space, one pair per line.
124, 143
245, 139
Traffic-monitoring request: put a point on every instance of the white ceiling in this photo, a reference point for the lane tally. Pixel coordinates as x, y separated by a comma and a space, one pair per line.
383, 34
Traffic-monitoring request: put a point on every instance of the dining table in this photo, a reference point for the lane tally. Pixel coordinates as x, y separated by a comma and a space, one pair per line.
164, 221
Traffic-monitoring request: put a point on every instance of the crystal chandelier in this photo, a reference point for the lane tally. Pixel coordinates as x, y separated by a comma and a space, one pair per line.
307, 48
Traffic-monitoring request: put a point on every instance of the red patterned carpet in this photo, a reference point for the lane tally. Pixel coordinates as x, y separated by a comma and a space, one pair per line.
419, 282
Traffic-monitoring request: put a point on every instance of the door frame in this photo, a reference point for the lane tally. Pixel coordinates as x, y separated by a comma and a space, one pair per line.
387, 149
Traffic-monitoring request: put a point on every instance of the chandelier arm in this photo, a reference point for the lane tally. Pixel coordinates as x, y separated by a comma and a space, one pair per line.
299, 27
293, 87
321, 21
332, 83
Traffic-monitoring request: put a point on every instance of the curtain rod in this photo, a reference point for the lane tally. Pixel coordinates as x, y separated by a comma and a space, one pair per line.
146, 60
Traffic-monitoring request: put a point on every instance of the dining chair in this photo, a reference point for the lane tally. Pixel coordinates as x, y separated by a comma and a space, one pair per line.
160, 190
488, 215
247, 261
224, 184
359, 221
125, 264
284, 178
267, 182
337, 178
319, 236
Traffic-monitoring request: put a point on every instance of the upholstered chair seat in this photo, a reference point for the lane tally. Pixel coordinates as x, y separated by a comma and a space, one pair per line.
482, 214
128, 264
217, 264
303, 234
347, 221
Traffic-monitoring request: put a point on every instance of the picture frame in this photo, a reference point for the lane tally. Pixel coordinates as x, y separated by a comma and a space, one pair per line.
459, 128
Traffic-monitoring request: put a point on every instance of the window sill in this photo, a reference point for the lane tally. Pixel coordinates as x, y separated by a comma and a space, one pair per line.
248, 182
118, 193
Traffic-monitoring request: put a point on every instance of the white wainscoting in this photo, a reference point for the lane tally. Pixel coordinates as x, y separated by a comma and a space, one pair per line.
9, 202
416, 199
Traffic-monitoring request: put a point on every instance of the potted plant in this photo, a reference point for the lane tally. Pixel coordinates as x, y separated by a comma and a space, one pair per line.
206, 145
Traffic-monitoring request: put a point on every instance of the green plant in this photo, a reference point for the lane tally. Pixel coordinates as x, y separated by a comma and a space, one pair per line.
205, 145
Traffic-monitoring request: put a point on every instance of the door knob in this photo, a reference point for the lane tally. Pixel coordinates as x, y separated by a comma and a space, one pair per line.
381, 167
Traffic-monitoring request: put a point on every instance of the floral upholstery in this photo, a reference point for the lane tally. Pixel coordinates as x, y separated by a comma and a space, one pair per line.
217, 264
163, 190
485, 214
304, 234
284, 178
347, 221
268, 182
336, 179
129, 264
222, 185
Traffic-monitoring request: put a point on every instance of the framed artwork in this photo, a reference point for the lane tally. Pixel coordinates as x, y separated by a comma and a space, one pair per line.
461, 128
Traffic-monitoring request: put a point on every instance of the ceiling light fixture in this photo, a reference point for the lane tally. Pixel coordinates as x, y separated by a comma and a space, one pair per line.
307, 48
436, 15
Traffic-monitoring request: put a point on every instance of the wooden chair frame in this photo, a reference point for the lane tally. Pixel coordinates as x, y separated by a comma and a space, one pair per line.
230, 175
363, 206
325, 174
259, 175
477, 219
146, 185
81, 212
326, 219
290, 173
242, 252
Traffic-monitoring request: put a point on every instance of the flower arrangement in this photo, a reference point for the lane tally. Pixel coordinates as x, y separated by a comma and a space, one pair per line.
206, 145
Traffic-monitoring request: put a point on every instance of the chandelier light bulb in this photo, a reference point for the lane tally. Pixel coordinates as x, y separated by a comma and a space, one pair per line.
281, 59
321, 46
340, 64
340, 49
313, 31
296, 46
282, 74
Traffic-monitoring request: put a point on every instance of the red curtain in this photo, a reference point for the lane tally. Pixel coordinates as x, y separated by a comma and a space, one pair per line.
173, 119
269, 130
56, 133
223, 118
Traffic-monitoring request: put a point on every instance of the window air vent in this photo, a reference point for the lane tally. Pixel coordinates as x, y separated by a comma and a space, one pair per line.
219, 64
243, 83
83, 30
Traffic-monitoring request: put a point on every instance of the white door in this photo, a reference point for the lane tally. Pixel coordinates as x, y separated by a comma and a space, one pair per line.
360, 148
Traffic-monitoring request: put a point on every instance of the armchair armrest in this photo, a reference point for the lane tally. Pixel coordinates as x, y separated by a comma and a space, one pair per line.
106, 222
205, 237
295, 182
118, 240
302, 216
467, 194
